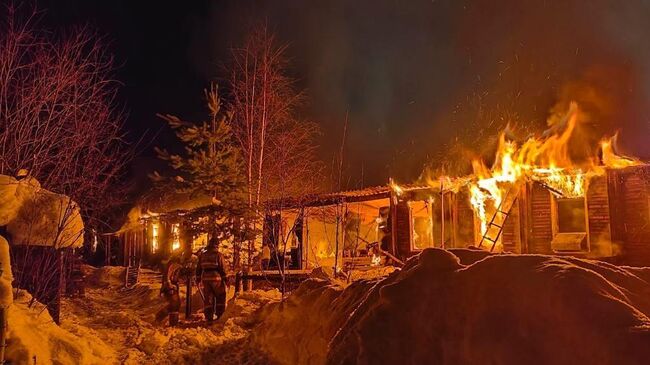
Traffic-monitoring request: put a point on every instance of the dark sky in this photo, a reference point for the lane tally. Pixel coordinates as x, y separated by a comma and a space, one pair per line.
414, 75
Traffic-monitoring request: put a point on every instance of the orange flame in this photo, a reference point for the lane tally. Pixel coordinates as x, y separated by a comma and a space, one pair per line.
544, 159
613, 160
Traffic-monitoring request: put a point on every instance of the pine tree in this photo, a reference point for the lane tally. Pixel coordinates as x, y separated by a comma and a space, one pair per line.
211, 164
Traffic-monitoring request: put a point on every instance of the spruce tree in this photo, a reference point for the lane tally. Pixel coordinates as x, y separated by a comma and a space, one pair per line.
210, 165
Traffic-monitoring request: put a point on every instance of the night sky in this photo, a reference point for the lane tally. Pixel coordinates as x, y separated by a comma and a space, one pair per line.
414, 75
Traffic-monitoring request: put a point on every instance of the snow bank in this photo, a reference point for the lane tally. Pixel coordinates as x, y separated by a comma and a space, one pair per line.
502, 309
298, 330
36, 216
6, 294
10, 201
34, 338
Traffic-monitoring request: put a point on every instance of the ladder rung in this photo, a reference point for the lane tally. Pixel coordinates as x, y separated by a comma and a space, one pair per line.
496, 225
488, 238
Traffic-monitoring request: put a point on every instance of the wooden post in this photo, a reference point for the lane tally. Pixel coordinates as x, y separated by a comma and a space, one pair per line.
430, 202
336, 250
442, 215
108, 251
188, 295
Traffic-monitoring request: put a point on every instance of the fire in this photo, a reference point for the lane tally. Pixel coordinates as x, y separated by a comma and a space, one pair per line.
396, 188
545, 160
613, 160
154, 237
176, 241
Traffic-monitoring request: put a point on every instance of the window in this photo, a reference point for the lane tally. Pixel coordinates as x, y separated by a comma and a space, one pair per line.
154, 237
176, 237
569, 225
570, 215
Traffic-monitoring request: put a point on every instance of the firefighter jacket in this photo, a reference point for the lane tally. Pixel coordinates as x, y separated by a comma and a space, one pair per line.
211, 266
171, 277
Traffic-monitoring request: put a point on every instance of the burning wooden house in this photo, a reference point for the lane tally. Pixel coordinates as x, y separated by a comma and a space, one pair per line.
610, 221
354, 228
154, 228
534, 199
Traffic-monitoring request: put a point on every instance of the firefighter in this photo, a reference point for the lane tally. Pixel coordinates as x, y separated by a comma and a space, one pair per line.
170, 289
211, 271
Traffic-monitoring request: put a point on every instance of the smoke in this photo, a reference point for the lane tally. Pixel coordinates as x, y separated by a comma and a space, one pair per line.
429, 82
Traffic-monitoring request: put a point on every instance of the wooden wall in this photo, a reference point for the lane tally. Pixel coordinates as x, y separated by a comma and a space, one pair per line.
134, 246
598, 216
511, 236
402, 229
630, 201
540, 229
464, 230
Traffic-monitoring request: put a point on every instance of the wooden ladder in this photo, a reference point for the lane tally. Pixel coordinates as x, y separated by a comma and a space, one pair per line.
132, 275
503, 210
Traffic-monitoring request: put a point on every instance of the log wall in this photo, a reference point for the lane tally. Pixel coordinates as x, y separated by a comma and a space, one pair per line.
598, 216
402, 230
630, 201
540, 230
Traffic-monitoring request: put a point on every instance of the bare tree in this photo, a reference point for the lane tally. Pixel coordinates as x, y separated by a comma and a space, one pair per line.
58, 118
278, 148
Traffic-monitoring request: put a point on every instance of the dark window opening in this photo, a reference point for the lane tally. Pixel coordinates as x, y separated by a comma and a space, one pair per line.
571, 215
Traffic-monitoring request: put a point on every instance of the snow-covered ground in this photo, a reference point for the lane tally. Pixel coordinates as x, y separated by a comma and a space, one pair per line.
458, 307
134, 323
113, 325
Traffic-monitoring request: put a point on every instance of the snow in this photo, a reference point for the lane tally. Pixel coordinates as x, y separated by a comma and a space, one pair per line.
10, 199
133, 322
502, 309
459, 307
6, 295
36, 216
34, 338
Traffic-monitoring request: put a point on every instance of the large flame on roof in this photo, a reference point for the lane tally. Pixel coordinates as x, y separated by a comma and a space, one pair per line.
613, 160
543, 159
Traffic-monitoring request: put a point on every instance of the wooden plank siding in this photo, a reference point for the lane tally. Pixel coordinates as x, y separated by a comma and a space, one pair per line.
511, 236
402, 229
631, 224
598, 217
540, 222
464, 228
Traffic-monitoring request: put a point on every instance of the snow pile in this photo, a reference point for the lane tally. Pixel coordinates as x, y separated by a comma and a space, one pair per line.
10, 200
104, 277
36, 216
503, 309
6, 293
298, 330
34, 338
